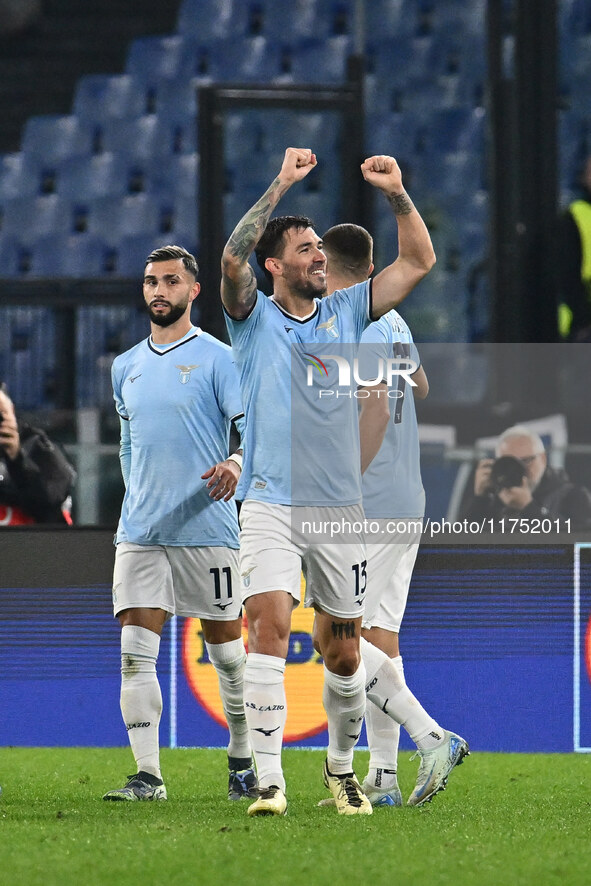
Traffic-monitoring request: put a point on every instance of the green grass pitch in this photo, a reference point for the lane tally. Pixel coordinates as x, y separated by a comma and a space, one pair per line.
505, 820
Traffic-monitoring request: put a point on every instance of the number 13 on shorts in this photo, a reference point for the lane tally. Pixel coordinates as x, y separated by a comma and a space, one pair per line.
360, 580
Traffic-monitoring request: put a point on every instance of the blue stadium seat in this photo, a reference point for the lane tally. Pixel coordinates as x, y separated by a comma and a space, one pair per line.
436, 312
132, 252
184, 214
250, 59
470, 215
20, 176
580, 62
10, 258
308, 20
399, 73
455, 129
321, 61
318, 130
26, 354
180, 175
154, 58
393, 133
448, 20
575, 17
139, 138
210, 19
88, 178
392, 20
425, 73
176, 100
112, 218
164, 69
99, 96
184, 237
319, 206
401, 64
74, 255
28, 218
53, 137
242, 136
102, 333
458, 172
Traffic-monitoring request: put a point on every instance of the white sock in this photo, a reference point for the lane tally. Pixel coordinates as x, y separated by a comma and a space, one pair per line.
229, 660
344, 703
266, 713
383, 736
141, 699
388, 691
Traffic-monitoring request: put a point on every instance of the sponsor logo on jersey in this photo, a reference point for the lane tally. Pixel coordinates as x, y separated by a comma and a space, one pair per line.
186, 372
330, 326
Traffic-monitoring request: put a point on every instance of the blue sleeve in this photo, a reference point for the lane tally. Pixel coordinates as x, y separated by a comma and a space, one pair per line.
116, 383
125, 450
241, 425
227, 385
241, 331
374, 346
405, 336
357, 299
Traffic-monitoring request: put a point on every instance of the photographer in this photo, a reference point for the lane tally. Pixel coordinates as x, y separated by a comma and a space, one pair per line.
36, 479
519, 483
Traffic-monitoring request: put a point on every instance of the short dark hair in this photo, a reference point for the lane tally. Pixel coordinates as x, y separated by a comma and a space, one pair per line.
272, 243
166, 253
350, 247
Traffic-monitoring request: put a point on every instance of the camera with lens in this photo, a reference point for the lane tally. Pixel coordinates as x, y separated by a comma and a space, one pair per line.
507, 471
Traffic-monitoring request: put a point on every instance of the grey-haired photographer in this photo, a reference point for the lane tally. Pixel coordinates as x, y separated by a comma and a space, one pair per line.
519, 482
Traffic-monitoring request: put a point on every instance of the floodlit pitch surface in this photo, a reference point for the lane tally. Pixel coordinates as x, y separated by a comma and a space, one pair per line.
505, 818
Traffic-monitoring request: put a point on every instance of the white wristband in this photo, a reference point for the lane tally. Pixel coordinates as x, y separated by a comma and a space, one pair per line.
237, 458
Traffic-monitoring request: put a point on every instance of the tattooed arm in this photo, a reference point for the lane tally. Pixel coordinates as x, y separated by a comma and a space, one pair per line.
238, 278
415, 250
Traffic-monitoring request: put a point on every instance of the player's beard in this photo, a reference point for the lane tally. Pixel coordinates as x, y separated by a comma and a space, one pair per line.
309, 291
175, 313
303, 287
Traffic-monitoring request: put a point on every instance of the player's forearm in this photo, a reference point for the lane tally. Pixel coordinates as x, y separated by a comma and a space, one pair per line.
249, 229
421, 389
238, 278
373, 423
415, 258
371, 441
414, 241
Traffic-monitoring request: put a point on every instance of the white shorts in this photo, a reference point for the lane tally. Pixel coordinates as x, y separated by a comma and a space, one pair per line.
187, 581
273, 554
389, 567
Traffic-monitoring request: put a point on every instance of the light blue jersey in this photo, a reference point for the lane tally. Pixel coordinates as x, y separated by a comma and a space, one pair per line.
176, 403
392, 485
302, 442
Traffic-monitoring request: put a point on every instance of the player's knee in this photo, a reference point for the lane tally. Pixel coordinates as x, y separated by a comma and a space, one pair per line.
342, 660
268, 636
139, 651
